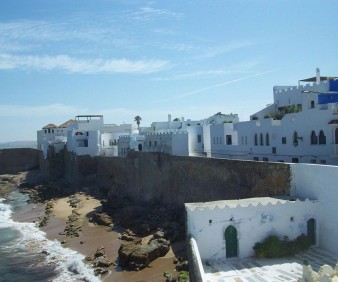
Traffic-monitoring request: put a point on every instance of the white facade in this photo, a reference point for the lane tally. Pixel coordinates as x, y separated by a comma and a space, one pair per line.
52, 135
300, 126
84, 136
253, 219
320, 182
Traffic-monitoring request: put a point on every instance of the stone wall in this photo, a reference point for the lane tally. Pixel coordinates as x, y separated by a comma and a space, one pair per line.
176, 180
19, 159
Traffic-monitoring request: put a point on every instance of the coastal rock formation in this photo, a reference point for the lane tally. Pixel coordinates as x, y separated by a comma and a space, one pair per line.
136, 256
102, 218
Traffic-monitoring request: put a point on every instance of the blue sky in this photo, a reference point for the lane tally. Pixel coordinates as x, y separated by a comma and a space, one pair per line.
59, 59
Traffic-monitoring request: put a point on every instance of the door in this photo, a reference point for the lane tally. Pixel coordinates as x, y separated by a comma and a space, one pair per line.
231, 243
336, 135
311, 230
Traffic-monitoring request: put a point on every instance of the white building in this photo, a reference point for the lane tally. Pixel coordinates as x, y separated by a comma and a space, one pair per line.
52, 135
84, 136
236, 225
300, 126
183, 137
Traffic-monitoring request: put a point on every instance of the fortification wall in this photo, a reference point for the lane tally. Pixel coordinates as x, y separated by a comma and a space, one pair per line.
176, 180
18, 159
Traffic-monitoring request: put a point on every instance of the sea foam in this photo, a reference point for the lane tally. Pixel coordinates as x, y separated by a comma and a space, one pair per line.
69, 264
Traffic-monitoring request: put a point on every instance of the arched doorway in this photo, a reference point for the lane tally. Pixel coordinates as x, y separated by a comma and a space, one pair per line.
139, 147
231, 243
311, 230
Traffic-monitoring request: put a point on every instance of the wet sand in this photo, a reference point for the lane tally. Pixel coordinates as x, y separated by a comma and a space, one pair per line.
95, 236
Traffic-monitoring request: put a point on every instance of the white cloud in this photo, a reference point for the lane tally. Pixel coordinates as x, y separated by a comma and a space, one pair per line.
214, 51
67, 63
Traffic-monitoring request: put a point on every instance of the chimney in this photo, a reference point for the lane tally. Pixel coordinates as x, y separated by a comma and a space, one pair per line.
169, 121
317, 76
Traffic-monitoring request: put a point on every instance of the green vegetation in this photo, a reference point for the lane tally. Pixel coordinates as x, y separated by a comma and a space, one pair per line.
273, 247
227, 121
283, 111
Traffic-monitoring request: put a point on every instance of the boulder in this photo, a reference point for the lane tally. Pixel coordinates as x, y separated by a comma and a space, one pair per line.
136, 257
100, 252
102, 218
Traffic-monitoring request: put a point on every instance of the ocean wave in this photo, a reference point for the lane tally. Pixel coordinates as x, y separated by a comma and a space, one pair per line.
68, 264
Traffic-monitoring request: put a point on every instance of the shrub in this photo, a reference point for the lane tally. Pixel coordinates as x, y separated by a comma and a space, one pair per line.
273, 247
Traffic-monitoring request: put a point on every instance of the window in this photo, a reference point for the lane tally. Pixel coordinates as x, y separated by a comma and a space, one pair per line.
246, 140
242, 138
255, 158
295, 139
52, 130
155, 143
322, 137
295, 160
229, 139
103, 143
313, 161
267, 139
256, 139
283, 140
261, 141
265, 159
199, 138
323, 161
314, 139
82, 143
45, 130
149, 143
312, 104
274, 150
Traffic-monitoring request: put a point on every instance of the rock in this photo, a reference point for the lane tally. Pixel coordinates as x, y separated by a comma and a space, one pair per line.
175, 261
89, 258
103, 262
64, 242
44, 252
82, 242
100, 271
62, 233
100, 252
158, 234
136, 257
102, 218
182, 266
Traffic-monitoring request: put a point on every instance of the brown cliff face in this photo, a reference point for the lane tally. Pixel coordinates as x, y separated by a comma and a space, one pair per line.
20, 159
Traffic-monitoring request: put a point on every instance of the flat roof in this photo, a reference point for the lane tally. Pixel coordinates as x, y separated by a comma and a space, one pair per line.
241, 202
322, 78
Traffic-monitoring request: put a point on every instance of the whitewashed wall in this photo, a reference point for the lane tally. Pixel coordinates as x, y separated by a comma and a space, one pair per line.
320, 182
253, 224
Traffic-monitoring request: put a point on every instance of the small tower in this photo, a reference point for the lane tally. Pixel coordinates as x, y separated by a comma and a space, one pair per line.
317, 76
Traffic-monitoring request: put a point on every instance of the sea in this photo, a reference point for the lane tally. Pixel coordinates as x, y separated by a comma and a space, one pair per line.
27, 255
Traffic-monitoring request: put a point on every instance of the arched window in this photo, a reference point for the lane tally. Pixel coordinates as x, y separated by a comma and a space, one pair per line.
295, 138
267, 139
261, 140
322, 137
314, 139
256, 139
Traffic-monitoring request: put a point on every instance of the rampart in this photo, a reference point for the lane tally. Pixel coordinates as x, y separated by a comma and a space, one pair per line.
178, 180
170, 179
19, 159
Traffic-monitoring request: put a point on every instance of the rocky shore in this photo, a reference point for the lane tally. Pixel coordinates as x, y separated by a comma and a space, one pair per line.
122, 240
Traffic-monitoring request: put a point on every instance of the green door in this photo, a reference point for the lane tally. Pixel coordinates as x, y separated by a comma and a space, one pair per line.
311, 230
231, 241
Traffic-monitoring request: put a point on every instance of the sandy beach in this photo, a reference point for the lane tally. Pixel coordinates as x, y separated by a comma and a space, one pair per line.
94, 236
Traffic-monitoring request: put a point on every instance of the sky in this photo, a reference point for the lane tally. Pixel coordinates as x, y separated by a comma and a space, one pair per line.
122, 58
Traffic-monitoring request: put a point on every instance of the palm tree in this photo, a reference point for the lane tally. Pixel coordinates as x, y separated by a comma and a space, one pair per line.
138, 121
